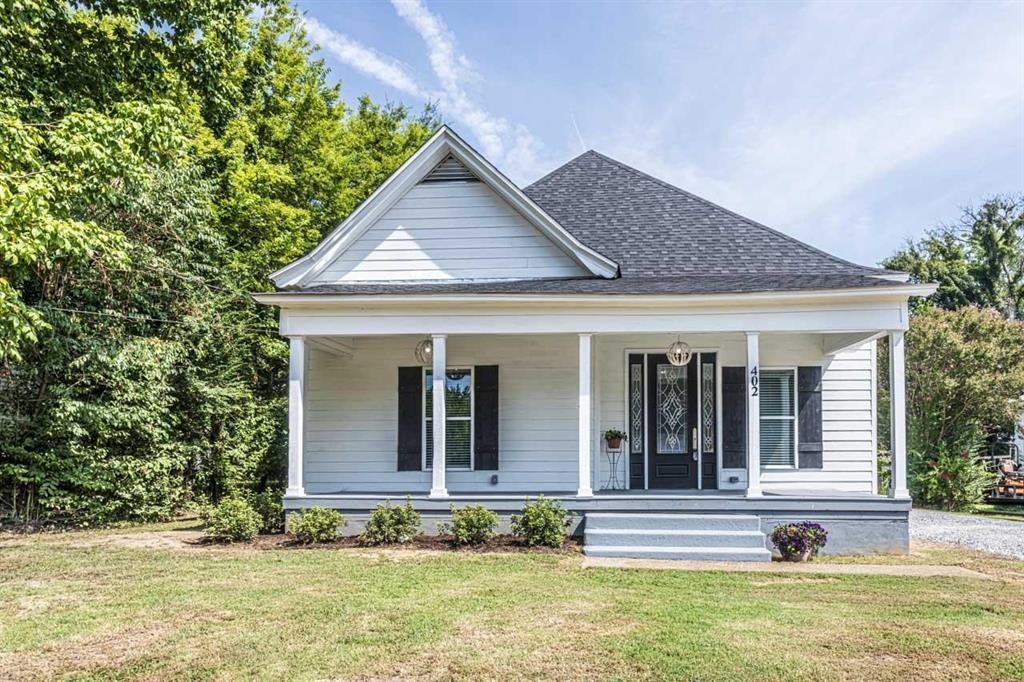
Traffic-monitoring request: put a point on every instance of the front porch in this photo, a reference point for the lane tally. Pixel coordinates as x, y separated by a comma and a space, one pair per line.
556, 395
527, 397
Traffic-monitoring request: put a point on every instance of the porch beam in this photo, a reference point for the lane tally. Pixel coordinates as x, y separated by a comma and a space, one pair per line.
332, 346
753, 415
296, 417
837, 319
438, 486
584, 488
898, 413
834, 344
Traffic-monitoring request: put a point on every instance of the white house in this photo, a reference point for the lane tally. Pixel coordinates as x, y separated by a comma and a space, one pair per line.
546, 315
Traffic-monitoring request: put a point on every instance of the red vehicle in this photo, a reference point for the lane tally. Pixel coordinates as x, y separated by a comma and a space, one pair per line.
1010, 486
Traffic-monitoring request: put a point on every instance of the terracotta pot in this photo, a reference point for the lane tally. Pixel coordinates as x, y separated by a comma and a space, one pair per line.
614, 443
803, 557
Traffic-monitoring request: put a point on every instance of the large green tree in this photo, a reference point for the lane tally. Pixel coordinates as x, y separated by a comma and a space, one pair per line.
977, 261
159, 158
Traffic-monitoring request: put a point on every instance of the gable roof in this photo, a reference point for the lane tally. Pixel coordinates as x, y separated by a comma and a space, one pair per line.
443, 146
655, 230
634, 233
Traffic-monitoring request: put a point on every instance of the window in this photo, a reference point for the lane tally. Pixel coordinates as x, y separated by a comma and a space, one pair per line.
458, 405
778, 417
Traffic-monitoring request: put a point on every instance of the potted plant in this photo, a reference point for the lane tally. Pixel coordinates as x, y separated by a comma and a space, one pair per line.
614, 438
799, 541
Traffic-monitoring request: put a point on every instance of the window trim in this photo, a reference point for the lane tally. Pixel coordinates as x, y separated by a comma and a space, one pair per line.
795, 419
472, 413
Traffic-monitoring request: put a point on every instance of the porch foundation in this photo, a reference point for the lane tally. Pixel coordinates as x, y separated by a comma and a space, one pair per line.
856, 524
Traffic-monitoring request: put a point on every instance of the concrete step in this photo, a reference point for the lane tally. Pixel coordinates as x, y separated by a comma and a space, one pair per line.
679, 553
708, 522
674, 538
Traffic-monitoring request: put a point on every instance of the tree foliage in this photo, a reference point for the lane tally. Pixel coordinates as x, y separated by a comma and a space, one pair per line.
978, 261
159, 159
965, 376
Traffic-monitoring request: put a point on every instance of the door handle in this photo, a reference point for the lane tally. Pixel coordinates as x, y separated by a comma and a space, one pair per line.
696, 452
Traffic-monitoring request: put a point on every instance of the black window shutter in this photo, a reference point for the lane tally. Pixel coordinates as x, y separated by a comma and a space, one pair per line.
734, 417
485, 417
410, 418
808, 388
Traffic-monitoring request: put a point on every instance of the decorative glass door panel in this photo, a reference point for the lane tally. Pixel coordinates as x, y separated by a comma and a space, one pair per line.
671, 414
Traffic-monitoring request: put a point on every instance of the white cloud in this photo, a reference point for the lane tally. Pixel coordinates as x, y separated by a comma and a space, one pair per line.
840, 100
367, 61
510, 146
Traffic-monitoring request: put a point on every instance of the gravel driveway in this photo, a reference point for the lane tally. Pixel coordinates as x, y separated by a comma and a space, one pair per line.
988, 535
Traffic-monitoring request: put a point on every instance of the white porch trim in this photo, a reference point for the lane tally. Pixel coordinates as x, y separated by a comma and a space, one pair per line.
438, 486
753, 416
898, 409
585, 393
296, 417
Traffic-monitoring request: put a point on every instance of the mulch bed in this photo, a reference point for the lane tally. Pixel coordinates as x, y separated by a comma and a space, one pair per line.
500, 543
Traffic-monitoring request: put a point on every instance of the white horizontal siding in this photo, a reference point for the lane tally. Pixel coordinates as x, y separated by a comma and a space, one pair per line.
450, 231
848, 427
352, 416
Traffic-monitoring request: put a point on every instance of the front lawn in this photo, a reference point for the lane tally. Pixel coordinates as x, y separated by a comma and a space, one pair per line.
93, 605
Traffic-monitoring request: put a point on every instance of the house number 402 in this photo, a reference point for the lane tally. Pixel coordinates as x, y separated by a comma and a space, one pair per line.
753, 381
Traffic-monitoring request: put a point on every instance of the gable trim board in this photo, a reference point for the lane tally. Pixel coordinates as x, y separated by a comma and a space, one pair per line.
443, 144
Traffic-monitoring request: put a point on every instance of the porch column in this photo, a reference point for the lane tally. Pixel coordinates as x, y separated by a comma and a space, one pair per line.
584, 489
898, 414
440, 372
296, 419
753, 416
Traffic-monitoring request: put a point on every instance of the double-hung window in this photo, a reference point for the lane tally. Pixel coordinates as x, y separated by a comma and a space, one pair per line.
778, 417
458, 405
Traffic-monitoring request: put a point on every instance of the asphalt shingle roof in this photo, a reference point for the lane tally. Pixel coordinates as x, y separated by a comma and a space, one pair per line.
652, 229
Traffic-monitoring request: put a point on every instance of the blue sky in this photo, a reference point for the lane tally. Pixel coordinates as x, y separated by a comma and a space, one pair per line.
851, 126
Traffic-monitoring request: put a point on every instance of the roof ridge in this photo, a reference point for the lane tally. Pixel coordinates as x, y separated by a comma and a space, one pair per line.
561, 168
751, 221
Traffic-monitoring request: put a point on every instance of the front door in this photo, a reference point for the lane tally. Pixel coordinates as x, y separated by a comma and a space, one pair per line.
672, 448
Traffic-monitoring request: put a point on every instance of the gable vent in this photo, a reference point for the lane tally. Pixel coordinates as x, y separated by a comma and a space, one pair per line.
450, 170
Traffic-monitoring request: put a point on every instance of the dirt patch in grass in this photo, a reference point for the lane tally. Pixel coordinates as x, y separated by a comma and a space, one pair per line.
894, 651
83, 654
546, 641
91, 654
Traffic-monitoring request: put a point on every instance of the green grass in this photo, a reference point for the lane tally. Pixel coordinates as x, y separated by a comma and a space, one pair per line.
84, 606
1010, 512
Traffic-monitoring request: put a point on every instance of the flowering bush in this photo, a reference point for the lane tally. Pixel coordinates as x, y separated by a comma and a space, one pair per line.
794, 540
953, 478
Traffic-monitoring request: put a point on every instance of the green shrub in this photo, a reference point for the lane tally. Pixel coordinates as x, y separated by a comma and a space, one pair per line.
471, 525
542, 522
318, 524
390, 524
954, 478
268, 505
233, 520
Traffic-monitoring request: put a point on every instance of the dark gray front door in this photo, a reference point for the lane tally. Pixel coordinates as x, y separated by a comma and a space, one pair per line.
671, 423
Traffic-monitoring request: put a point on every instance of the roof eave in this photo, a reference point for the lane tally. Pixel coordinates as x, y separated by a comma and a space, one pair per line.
305, 298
